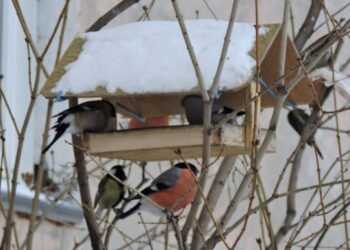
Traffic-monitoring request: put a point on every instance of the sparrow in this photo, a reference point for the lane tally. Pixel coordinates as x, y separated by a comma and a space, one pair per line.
171, 191
297, 119
193, 105
110, 191
92, 116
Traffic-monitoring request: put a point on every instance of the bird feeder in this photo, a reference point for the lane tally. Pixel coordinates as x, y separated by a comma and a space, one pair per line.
164, 143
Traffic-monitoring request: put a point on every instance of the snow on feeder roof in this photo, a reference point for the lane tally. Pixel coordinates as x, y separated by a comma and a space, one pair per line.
148, 63
151, 57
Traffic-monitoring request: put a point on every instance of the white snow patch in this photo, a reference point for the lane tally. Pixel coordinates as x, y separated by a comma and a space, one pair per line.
341, 81
152, 57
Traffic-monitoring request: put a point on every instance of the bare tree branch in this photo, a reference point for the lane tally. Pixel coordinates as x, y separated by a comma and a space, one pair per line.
111, 14
84, 189
308, 25
213, 196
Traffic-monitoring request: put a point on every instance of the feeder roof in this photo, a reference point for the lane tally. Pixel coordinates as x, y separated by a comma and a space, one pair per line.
151, 57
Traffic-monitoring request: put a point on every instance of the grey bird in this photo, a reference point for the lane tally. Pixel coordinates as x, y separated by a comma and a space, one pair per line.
110, 192
297, 119
92, 116
193, 105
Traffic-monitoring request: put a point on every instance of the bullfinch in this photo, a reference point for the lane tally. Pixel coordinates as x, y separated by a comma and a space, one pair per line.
297, 119
110, 192
92, 116
171, 191
193, 105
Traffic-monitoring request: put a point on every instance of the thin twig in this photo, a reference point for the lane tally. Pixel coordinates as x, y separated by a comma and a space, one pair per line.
326, 227
10, 111
111, 14
53, 34
193, 56
146, 231
40, 170
214, 193
308, 25
271, 131
181, 244
224, 50
333, 15
6, 240
84, 189
342, 168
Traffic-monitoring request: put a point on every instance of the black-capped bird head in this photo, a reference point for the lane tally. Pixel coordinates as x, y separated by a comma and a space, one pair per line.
188, 166
92, 116
110, 191
193, 106
297, 118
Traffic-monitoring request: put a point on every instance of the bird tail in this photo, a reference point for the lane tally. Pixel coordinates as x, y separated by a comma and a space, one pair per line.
60, 129
130, 211
240, 113
318, 151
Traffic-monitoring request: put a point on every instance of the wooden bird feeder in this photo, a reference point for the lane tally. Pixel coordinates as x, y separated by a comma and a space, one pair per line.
162, 143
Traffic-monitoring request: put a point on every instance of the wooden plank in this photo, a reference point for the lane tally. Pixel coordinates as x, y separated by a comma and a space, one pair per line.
150, 138
155, 144
165, 154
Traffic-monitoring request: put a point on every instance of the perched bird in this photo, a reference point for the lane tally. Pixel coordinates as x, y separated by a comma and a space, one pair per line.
172, 190
193, 105
110, 192
92, 116
297, 119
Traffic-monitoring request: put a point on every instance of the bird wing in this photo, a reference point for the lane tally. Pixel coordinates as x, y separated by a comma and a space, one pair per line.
297, 119
100, 190
219, 109
86, 106
164, 181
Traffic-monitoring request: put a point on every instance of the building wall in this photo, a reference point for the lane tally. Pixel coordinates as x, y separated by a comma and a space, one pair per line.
42, 15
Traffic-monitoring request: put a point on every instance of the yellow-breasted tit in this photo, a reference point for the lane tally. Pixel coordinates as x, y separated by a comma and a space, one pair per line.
297, 119
110, 192
172, 190
193, 105
92, 116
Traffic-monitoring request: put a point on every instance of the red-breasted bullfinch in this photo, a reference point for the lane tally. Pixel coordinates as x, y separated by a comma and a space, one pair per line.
110, 192
171, 191
193, 105
92, 116
297, 119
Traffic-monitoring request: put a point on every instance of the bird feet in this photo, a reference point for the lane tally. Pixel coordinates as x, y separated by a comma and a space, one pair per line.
118, 211
171, 216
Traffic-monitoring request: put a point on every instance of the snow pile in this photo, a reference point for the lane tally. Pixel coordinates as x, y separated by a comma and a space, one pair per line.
152, 57
342, 82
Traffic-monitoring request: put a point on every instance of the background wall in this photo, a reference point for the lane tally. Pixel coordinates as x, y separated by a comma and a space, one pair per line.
82, 13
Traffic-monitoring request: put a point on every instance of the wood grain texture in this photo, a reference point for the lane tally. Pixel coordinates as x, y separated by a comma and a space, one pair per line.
156, 144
